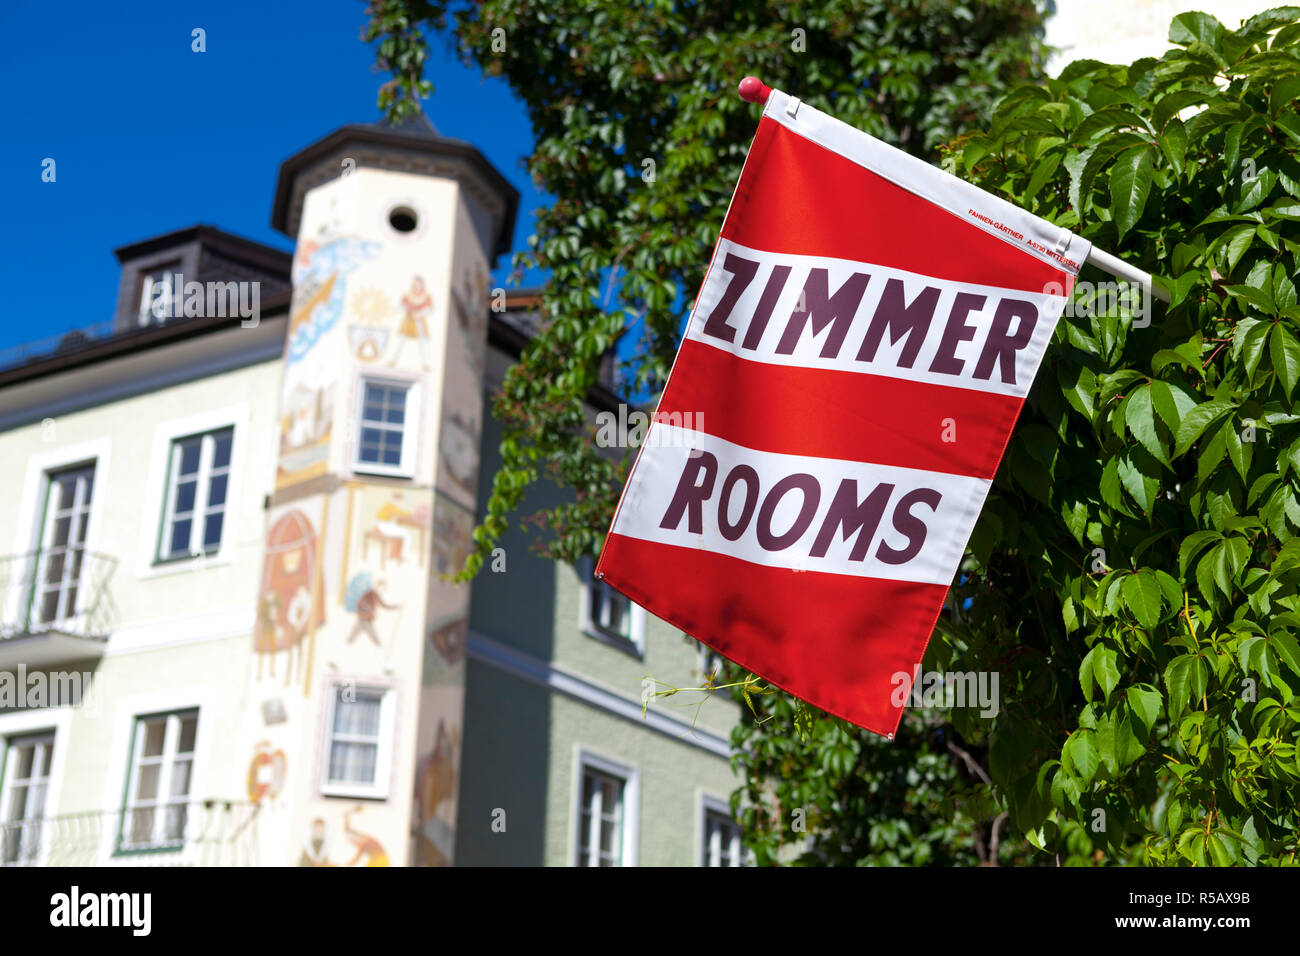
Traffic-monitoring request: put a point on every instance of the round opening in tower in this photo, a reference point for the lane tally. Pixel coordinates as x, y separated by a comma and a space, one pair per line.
403, 218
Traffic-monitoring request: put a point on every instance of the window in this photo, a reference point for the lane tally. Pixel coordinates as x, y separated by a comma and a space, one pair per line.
600, 835
606, 813
159, 301
609, 614
26, 774
359, 742
158, 787
63, 543
721, 844
198, 479
385, 444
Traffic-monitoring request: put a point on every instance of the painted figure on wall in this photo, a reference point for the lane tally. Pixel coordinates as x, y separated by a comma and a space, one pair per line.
316, 848
416, 306
370, 852
449, 639
266, 773
398, 529
289, 603
305, 428
368, 336
363, 599
435, 795
319, 277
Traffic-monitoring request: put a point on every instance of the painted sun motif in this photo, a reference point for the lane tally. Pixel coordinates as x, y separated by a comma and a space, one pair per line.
371, 306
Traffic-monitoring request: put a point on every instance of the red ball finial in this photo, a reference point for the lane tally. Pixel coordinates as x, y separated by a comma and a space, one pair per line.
752, 90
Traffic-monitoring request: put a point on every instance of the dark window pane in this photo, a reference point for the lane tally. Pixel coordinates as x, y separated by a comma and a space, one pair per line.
393, 456
217, 491
54, 567
189, 728
67, 492
396, 414
185, 496
190, 456
154, 733
221, 451
212, 531
180, 543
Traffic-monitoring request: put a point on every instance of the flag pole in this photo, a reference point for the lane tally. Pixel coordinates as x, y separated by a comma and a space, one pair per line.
754, 90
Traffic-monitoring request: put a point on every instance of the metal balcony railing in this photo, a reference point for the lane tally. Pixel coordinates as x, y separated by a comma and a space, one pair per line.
198, 833
57, 590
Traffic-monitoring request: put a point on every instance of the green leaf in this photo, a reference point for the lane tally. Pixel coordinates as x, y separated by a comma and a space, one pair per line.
1189, 28
1287, 650
1130, 184
1284, 352
1173, 142
1080, 754
1196, 421
1104, 669
1140, 418
1145, 702
1142, 597
1192, 546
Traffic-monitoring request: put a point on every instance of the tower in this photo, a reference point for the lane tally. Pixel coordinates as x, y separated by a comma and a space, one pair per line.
354, 702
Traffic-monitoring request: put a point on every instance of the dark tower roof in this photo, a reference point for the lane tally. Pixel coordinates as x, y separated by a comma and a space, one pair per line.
411, 145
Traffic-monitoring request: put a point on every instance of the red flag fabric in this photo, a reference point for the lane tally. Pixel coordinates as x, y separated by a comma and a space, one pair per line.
856, 359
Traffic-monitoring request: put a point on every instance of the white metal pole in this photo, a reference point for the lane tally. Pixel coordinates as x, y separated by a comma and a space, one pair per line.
1121, 269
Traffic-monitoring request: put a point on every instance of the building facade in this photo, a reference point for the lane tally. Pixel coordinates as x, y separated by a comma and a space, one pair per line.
228, 629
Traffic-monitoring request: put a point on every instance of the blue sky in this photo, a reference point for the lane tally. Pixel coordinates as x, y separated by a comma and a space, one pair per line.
149, 136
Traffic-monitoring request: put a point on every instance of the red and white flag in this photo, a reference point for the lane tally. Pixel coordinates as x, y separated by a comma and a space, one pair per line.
858, 354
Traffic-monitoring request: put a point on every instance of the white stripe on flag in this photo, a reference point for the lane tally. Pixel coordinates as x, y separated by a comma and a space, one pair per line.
904, 325
697, 491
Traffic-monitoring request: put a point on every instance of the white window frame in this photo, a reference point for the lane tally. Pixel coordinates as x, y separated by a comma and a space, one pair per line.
711, 804
164, 798
158, 488
634, 641
82, 504
27, 723
585, 760
8, 758
382, 785
199, 512
410, 426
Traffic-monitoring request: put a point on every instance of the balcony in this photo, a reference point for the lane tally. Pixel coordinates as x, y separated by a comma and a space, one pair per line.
55, 607
202, 833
